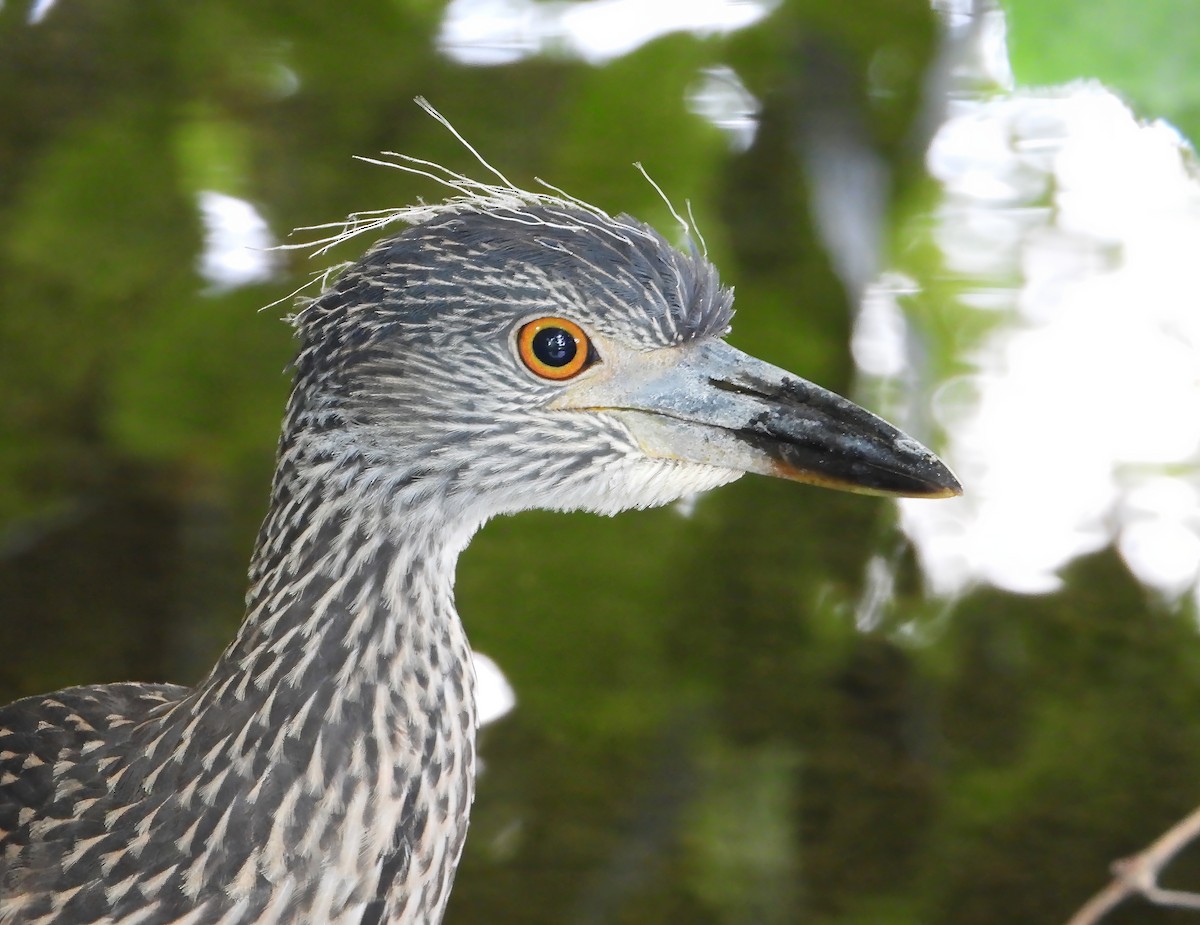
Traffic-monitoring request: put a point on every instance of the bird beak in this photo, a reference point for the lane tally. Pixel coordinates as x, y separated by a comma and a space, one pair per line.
720, 407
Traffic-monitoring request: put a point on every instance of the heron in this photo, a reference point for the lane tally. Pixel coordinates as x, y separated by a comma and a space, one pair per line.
505, 351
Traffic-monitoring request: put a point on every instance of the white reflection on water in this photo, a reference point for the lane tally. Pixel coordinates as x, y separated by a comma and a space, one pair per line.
1080, 425
494, 695
491, 32
719, 96
39, 10
237, 242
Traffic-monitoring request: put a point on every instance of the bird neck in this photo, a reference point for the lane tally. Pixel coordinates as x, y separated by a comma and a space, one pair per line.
353, 670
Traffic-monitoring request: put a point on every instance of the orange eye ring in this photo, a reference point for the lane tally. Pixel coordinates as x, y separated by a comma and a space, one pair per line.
554, 348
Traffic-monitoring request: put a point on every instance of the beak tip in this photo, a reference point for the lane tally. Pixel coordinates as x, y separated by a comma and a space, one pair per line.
946, 485
934, 478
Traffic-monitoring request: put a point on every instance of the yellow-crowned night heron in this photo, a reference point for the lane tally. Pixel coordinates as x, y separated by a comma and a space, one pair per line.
505, 353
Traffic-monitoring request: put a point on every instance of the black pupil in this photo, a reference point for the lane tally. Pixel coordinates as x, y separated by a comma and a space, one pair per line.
554, 346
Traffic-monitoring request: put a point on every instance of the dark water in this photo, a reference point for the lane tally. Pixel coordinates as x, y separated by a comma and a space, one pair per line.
703, 732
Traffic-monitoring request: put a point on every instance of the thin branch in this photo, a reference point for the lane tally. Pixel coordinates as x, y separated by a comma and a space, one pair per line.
1138, 875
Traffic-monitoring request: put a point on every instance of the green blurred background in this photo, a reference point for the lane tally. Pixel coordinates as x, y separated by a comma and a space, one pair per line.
704, 731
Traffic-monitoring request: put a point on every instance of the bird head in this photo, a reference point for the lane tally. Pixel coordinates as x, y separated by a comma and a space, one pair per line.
510, 355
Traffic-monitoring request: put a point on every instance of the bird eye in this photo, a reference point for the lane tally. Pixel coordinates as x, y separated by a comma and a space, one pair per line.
554, 348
